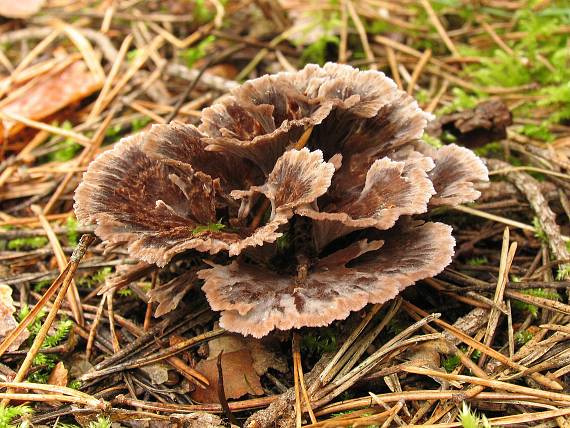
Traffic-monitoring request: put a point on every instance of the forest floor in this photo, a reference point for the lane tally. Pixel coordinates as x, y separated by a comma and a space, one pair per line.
485, 343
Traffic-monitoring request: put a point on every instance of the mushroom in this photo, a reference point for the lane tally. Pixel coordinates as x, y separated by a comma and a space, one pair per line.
315, 184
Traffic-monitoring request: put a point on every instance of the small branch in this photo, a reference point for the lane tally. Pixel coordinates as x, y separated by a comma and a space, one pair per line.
530, 188
77, 255
298, 372
158, 356
222, 393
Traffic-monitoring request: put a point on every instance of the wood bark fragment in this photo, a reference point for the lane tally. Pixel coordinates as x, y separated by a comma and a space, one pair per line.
528, 186
483, 124
281, 413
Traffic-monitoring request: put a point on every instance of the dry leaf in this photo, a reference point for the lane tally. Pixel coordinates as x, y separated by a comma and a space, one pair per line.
306, 20
227, 343
244, 360
79, 365
226, 70
240, 377
174, 340
262, 358
475, 127
157, 373
49, 93
58, 375
170, 294
20, 8
7, 320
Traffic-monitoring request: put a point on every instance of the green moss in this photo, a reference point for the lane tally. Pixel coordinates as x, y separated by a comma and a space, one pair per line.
397, 325
125, 292
470, 419
101, 422
422, 96
42, 285
97, 278
536, 292
522, 337
43, 364
113, 133
488, 149
139, 123
202, 13
197, 52
319, 341
62, 330
539, 231
321, 51
284, 242
64, 150
72, 235
133, 54
74, 384
450, 363
346, 412
557, 98
432, 141
9, 413
377, 26
502, 70
212, 227
525, 307
31, 243
477, 261
461, 101
541, 58
563, 272
540, 132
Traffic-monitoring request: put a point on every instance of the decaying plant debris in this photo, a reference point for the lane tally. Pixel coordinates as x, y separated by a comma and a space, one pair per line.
124, 331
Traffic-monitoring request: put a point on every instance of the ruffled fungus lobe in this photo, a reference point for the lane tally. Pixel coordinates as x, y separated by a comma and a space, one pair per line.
312, 228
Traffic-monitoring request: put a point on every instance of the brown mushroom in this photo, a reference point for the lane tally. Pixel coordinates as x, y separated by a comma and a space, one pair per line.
320, 230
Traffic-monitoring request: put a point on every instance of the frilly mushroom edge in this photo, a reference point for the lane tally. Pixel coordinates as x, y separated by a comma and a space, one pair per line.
322, 184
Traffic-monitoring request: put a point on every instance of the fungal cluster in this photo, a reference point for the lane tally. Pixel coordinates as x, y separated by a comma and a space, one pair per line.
305, 195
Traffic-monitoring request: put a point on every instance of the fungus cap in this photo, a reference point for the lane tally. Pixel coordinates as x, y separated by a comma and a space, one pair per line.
321, 230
